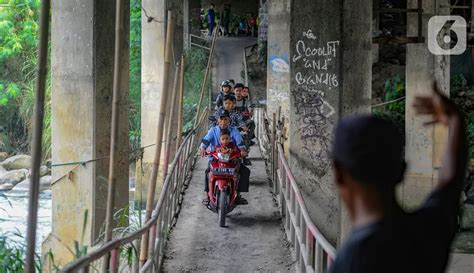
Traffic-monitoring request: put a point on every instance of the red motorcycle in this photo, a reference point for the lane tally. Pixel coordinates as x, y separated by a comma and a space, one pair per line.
223, 182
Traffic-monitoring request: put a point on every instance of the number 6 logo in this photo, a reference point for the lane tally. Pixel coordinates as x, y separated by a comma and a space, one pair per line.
447, 35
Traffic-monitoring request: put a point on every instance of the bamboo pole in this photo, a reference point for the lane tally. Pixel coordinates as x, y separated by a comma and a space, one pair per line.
206, 75
180, 105
37, 136
159, 136
114, 131
170, 122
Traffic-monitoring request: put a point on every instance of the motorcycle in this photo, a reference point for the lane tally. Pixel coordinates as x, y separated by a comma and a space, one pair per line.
223, 183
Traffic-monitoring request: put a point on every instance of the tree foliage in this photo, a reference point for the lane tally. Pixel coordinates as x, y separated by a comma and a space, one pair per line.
18, 60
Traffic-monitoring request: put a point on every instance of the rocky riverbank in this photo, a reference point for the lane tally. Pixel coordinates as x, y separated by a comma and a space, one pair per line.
15, 173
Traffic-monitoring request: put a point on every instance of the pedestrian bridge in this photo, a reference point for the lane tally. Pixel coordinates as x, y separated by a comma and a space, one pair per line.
272, 233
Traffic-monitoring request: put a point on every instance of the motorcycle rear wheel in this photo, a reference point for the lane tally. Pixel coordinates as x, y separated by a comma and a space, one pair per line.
222, 206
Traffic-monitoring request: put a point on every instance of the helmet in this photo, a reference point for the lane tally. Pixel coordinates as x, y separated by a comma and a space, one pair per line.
226, 83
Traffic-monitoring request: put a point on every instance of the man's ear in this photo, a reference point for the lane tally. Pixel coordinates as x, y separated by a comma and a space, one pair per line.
338, 173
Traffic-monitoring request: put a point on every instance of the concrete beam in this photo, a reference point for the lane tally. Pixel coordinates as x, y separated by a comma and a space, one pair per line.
82, 78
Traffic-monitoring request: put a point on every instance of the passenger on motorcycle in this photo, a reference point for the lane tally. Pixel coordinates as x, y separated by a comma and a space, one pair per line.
240, 101
242, 107
226, 89
236, 119
212, 139
246, 92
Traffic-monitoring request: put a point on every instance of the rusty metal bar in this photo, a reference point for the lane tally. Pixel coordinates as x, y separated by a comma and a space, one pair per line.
159, 135
274, 152
180, 104
420, 21
115, 125
37, 136
115, 259
206, 75
200, 46
171, 117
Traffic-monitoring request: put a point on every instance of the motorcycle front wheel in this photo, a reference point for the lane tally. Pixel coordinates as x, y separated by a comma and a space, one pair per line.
222, 197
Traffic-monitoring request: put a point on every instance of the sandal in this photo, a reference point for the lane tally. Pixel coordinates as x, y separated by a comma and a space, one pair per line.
241, 201
205, 201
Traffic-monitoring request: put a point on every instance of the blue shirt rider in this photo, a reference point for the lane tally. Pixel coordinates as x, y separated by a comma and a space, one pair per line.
212, 140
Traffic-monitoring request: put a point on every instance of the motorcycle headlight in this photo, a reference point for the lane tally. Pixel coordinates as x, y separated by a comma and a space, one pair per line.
223, 157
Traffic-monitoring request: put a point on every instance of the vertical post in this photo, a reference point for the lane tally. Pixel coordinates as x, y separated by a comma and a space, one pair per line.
204, 81
420, 21
115, 124
180, 105
246, 79
37, 137
274, 152
170, 123
114, 261
159, 135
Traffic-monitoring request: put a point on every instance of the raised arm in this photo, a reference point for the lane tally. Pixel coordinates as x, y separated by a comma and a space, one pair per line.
443, 111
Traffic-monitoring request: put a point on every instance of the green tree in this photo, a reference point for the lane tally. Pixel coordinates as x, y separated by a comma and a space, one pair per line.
135, 74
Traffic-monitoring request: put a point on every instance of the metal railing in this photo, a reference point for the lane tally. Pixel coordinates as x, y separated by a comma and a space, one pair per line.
164, 214
246, 55
313, 251
204, 41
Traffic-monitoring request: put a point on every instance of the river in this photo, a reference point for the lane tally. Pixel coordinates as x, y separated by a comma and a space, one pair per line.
14, 213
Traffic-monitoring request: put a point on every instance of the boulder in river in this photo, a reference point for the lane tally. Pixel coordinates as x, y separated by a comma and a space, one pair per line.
6, 187
17, 162
13, 177
3, 156
45, 182
44, 171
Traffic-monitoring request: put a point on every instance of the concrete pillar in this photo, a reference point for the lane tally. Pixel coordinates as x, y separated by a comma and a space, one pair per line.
330, 68
153, 49
278, 67
82, 78
423, 144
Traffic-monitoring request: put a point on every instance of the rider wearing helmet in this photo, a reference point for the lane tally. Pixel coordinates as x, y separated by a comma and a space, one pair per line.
226, 89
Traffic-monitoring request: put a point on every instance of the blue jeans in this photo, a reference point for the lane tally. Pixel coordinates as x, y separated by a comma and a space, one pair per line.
210, 28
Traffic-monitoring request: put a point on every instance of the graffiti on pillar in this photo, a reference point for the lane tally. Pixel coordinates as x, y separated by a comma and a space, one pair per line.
279, 86
315, 75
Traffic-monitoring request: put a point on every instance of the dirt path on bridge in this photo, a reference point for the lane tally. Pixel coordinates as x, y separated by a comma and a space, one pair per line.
252, 241
228, 60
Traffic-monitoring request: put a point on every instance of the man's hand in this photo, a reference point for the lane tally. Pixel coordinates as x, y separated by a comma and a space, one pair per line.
442, 110
438, 106
202, 152
243, 152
